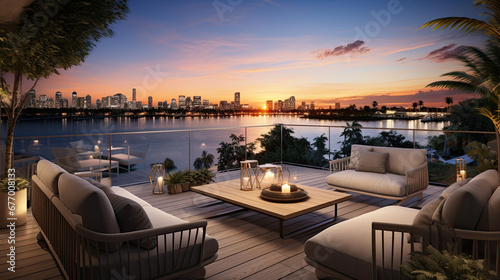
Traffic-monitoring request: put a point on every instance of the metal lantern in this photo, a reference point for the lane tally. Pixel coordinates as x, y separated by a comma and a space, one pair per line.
157, 178
461, 169
248, 178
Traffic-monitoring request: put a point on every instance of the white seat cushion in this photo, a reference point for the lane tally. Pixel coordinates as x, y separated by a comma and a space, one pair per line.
383, 184
346, 247
123, 192
126, 159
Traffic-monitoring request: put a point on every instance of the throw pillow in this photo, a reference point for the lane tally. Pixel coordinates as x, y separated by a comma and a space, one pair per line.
453, 187
107, 190
463, 208
132, 217
372, 162
355, 150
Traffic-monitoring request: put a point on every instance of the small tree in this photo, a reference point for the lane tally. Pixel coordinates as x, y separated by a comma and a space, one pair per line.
48, 37
205, 161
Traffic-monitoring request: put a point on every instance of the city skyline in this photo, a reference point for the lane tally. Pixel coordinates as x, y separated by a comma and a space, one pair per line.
352, 52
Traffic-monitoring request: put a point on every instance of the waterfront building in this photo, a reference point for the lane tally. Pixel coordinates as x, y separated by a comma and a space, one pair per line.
139, 104
337, 106
286, 105
88, 102
237, 99
150, 102
31, 103
182, 102
173, 104
58, 97
64, 103
98, 104
206, 103
80, 103
189, 103
74, 100
292, 102
196, 101
269, 105
120, 101
279, 105
223, 105
312, 107
49, 103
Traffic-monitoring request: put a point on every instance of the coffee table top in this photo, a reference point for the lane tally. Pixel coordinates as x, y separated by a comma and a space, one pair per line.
229, 191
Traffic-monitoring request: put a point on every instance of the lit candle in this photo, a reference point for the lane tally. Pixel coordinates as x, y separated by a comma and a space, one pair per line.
96, 148
35, 142
245, 181
160, 184
268, 178
285, 188
98, 141
91, 156
462, 173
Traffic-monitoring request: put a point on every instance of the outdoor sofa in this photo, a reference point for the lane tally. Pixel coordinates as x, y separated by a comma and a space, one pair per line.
465, 214
386, 172
100, 232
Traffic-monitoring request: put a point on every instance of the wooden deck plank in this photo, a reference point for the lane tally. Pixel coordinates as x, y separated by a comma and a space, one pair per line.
249, 242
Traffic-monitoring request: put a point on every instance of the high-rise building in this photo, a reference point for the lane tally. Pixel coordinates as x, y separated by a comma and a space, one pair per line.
196, 101
98, 104
118, 101
223, 105
134, 100
173, 104
64, 103
58, 98
42, 101
182, 102
237, 99
74, 100
88, 101
150, 102
269, 105
279, 105
31, 103
206, 103
49, 103
313, 106
292, 103
189, 103
80, 103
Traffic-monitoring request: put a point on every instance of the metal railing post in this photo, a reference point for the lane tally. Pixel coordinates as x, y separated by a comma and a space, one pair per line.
246, 137
329, 144
281, 161
189, 159
414, 144
109, 158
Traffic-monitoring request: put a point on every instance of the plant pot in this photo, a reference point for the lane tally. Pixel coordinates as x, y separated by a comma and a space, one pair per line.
20, 212
185, 187
174, 188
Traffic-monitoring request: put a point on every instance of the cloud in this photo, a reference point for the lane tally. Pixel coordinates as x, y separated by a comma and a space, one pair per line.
410, 48
401, 59
356, 47
444, 53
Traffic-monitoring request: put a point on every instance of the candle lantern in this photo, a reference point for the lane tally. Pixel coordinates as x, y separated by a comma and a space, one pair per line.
248, 176
156, 177
461, 167
270, 174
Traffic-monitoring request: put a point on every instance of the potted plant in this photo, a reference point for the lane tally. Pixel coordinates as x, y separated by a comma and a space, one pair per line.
174, 181
206, 176
14, 199
187, 180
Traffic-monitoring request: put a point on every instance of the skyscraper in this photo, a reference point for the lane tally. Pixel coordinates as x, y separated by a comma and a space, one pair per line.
173, 104
269, 105
74, 100
88, 101
196, 101
150, 102
292, 102
32, 99
134, 100
58, 100
237, 99
182, 102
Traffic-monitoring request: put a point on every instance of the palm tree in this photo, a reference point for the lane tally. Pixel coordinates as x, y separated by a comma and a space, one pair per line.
414, 105
205, 161
469, 25
449, 101
420, 103
375, 104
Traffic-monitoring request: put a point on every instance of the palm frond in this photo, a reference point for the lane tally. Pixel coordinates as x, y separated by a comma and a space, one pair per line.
465, 24
495, 118
462, 86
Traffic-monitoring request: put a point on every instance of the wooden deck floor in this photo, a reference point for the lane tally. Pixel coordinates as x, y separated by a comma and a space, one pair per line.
250, 246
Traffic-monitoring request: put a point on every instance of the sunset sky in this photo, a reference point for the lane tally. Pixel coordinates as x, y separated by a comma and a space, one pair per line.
352, 52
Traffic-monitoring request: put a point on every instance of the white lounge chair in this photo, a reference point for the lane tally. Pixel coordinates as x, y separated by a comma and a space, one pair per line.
134, 155
68, 159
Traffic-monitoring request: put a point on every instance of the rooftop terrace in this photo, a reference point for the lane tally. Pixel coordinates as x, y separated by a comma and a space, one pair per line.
250, 245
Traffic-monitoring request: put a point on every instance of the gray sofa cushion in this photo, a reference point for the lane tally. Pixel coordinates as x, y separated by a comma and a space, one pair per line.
123, 192
494, 211
355, 154
49, 173
402, 159
346, 246
424, 217
372, 162
453, 187
463, 208
491, 178
88, 201
383, 184
132, 217
107, 190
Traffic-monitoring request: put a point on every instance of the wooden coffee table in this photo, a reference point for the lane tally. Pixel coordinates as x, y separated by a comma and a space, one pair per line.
229, 191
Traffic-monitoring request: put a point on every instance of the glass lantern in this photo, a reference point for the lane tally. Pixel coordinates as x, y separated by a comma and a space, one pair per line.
248, 176
157, 177
271, 174
461, 169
